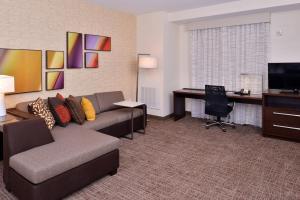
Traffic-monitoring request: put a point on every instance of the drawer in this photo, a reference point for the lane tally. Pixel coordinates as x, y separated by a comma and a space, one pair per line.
282, 122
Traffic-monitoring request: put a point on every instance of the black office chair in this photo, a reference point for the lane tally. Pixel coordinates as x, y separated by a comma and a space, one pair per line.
217, 104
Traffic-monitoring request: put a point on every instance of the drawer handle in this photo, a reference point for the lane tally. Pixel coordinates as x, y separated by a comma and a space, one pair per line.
287, 127
285, 114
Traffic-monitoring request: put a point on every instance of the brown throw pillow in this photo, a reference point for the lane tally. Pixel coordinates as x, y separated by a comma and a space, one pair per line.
59, 111
39, 108
75, 109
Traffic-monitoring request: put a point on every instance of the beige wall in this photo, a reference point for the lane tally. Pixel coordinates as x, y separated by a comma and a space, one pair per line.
42, 24
285, 40
158, 37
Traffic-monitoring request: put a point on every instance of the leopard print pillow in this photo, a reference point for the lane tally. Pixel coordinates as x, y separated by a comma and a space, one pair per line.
39, 108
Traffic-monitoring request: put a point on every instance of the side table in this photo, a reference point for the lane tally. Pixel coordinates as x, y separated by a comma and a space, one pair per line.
131, 105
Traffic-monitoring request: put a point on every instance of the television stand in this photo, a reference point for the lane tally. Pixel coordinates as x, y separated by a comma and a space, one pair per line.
281, 114
295, 91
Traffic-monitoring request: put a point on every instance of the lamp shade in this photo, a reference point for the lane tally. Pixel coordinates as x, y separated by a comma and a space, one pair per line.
252, 82
7, 84
146, 61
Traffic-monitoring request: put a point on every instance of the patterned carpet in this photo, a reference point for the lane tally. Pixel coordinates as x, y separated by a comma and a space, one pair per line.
182, 160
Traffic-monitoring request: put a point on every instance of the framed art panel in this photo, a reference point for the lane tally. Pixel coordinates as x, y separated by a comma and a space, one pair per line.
97, 43
54, 59
25, 66
55, 80
74, 50
91, 60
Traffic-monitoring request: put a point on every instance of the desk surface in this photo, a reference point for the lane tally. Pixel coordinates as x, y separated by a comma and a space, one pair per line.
230, 94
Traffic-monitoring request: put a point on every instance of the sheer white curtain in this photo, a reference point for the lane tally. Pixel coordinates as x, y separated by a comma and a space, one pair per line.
220, 55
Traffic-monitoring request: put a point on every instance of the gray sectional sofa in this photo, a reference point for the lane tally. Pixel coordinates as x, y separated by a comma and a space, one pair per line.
108, 116
78, 154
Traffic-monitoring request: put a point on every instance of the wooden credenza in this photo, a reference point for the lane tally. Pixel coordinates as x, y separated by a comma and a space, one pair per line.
281, 115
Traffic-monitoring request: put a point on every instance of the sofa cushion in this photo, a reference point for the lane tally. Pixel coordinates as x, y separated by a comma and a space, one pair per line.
40, 109
75, 109
88, 109
109, 118
73, 147
93, 99
106, 100
60, 112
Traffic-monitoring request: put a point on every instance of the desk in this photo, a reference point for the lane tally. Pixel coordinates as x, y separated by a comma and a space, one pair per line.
180, 95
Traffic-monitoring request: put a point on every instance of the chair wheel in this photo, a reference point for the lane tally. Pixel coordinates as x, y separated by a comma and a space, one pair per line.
206, 127
224, 130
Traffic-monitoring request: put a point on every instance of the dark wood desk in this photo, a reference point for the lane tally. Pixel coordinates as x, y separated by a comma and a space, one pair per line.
181, 95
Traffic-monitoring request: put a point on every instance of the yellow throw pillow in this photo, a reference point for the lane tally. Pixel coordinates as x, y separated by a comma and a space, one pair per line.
88, 109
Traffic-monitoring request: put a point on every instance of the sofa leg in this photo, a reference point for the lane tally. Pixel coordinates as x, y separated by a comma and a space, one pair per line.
113, 172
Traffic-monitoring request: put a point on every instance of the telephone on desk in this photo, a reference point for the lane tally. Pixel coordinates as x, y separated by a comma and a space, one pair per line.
243, 92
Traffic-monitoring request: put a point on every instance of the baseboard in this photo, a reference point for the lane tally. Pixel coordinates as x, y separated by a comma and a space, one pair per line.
168, 116
160, 118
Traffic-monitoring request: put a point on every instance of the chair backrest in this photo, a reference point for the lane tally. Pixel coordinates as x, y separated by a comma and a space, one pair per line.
215, 95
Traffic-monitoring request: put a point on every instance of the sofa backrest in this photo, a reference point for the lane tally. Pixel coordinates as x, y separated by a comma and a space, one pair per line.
106, 100
94, 101
23, 106
102, 101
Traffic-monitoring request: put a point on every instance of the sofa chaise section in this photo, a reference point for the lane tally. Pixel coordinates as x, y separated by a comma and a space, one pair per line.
77, 157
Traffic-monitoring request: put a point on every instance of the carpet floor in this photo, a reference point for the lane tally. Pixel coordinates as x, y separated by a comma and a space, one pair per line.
182, 160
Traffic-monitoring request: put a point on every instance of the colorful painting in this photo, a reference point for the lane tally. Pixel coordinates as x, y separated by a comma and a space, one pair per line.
75, 51
91, 60
97, 43
25, 66
55, 80
54, 59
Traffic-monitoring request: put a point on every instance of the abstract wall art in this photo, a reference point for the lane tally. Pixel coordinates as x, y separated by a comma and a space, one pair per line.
55, 80
97, 43
74, 50
91, 60
54, 59
25, 66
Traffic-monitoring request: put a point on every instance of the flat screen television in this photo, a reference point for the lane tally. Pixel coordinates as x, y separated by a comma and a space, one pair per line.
284, 76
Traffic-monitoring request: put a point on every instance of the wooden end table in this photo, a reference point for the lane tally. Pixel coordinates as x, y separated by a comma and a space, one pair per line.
131, 105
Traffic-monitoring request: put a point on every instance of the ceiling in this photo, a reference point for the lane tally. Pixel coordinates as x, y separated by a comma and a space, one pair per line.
146, 6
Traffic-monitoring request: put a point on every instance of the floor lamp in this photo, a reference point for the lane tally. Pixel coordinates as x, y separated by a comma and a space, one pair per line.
145, 61
7, 84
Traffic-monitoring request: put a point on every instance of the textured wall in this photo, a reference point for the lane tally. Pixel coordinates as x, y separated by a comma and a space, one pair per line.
42, 24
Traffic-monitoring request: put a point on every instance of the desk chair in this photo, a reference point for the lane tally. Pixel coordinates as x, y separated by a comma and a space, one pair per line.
217, 104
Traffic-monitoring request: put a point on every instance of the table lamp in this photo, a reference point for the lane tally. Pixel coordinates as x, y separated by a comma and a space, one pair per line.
7, 84
145, 61
252, 82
